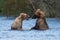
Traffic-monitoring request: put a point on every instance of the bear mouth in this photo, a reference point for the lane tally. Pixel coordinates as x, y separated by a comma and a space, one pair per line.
28, 18
34, 17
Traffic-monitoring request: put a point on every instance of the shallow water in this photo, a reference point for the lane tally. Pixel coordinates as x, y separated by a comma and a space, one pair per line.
26, 34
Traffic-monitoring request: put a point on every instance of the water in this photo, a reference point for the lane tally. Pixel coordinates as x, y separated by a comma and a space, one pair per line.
26, 34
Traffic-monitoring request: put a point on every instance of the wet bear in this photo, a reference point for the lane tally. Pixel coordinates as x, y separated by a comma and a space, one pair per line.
41, 23
17, 24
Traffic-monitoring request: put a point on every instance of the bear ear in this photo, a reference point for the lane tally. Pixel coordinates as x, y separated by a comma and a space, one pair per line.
22, 16
42, 13
38, 10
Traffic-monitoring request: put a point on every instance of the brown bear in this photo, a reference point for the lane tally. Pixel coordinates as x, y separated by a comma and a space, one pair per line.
17, 24
41, 23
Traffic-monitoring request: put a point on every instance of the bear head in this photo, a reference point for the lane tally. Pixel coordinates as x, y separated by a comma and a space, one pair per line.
38, 14
24, 16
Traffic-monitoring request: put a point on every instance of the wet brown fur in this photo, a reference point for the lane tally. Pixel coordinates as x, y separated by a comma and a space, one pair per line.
17, 24
41, 23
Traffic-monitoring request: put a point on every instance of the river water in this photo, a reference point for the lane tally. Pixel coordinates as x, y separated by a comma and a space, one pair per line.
53, 33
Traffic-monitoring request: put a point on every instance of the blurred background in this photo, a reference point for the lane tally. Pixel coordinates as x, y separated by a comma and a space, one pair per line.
13, 8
